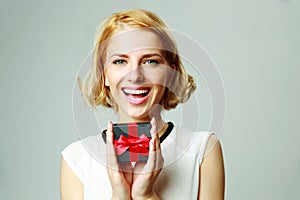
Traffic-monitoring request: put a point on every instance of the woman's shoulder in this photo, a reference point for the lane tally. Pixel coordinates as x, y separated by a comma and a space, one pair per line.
186, 130
74, 149
193, 135
80, 148
198, 140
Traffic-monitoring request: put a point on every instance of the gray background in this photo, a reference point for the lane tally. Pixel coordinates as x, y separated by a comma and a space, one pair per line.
254, 43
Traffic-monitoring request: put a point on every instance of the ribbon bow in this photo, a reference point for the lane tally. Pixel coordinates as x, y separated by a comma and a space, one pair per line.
133, 144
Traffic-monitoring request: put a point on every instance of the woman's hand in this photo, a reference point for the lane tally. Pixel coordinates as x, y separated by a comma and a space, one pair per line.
120, 175
145, 174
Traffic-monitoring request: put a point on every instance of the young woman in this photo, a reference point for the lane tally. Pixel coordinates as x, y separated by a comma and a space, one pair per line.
137, 72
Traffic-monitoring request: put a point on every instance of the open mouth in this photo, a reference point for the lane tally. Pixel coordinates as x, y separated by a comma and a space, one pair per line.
137, 95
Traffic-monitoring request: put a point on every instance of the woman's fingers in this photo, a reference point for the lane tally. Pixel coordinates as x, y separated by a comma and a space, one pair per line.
109, 132
120, 175
155, 159
111, 159
153, 131
111, 153
126, 168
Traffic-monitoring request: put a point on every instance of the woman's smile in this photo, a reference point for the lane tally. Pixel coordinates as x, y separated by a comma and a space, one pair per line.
136, 96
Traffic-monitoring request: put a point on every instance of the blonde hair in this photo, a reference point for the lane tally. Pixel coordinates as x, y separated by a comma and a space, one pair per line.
93, 87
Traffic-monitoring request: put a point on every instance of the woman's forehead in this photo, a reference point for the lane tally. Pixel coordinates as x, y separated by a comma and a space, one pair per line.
132, 40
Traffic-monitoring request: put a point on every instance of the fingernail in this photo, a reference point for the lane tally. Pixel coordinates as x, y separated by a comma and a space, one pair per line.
153, 120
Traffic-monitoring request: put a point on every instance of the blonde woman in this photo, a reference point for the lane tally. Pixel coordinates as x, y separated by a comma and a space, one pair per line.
137, 72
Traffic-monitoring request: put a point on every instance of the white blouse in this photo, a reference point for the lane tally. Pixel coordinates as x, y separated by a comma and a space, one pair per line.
182, 151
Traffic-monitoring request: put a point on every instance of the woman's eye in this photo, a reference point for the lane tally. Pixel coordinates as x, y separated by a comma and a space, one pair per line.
119, 62
151, 62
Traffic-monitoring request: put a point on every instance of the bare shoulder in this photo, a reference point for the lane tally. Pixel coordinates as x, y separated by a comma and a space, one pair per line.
70, 186
212, 176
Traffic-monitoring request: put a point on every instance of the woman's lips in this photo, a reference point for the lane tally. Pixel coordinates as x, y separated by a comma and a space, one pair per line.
136, 96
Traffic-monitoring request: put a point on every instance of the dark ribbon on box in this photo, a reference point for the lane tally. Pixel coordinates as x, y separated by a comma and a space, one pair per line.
134, 145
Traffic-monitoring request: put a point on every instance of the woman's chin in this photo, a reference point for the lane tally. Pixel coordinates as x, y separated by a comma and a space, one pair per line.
143, 112
137, 115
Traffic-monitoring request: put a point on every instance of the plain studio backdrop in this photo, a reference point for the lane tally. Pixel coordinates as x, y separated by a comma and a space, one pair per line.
255, 45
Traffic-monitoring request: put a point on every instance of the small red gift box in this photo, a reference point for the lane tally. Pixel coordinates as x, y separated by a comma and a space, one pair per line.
131, 141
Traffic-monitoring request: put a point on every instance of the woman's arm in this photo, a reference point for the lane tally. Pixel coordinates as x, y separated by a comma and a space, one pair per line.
212, 177
70, 186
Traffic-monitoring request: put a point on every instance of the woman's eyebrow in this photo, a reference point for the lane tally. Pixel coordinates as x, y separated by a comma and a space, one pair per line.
148, 55
119, 55
151, 55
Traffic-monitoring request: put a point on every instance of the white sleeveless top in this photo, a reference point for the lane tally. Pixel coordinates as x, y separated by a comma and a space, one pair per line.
182, 151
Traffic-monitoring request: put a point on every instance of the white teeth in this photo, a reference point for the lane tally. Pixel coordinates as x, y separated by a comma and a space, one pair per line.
130, 91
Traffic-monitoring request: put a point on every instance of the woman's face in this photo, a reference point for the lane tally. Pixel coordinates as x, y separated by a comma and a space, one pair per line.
136, 73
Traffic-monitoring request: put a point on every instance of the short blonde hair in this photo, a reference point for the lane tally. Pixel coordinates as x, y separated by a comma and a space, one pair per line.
93, 87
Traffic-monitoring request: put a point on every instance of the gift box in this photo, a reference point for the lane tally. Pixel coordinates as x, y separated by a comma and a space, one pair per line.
131, 141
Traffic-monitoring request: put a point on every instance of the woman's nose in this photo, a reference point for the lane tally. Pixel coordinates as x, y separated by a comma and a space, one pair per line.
136, 74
